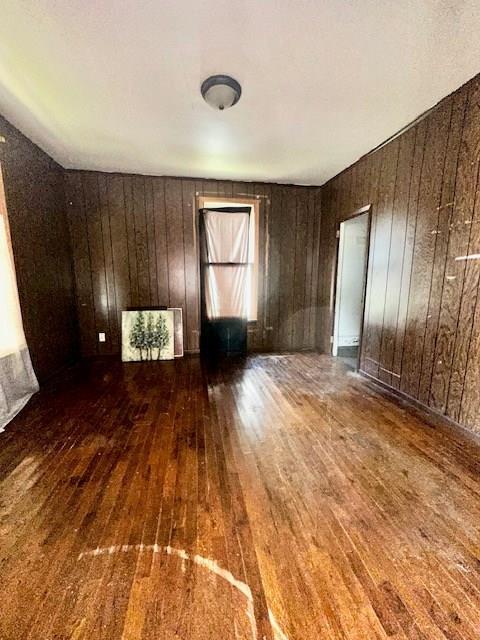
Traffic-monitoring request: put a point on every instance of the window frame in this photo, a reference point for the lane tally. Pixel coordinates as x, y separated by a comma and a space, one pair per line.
204, 202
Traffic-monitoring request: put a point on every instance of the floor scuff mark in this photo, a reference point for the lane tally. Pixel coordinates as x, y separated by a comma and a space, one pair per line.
206, 563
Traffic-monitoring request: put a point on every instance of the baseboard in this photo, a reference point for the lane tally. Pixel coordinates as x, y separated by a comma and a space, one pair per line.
423, 411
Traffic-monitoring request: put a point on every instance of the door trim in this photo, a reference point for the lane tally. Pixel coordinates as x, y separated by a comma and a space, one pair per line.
367, 209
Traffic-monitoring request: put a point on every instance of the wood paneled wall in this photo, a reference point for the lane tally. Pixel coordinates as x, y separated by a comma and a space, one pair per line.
134, 244
422, 316
40, 240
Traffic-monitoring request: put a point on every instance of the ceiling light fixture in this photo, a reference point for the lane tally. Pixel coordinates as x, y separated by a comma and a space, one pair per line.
221, 92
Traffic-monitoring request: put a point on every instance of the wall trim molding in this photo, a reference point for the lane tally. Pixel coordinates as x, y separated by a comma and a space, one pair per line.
423, 411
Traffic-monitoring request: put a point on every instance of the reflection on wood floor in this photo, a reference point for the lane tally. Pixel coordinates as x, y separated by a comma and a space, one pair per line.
278, 497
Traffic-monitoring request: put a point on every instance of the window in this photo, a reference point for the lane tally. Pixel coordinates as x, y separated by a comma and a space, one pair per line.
253, 248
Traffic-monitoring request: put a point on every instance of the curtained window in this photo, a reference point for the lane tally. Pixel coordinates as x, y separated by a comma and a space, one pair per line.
251, 281
227, 270
17, 378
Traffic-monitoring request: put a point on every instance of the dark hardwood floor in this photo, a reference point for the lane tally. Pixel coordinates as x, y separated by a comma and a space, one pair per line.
276, 498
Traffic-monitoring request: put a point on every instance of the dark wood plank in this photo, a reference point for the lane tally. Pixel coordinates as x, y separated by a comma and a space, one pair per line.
141, 242
380, 255
423, 253
161, 241
224, 188
97, 259
287, 268
316, 206
396, 255
151, 237
309, 248
131, 240
210, 188
265, 193
176, 250
119, 242
300, 282
192, 285
81, 255
112, 343
327, 257
373, 171
274, 240
259, 193
407, 260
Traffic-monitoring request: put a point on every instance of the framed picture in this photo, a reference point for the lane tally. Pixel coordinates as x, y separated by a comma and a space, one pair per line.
177, 330
147, 335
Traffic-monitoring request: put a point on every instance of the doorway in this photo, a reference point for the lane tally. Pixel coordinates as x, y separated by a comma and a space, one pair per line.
351, 275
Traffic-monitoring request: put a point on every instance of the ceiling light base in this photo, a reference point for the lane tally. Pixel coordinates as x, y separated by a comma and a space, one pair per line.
221, 91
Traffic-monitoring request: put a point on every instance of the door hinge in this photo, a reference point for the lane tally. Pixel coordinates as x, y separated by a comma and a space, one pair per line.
337, 235
331, 339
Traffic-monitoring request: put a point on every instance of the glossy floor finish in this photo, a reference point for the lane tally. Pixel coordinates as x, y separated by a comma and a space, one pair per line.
278, 498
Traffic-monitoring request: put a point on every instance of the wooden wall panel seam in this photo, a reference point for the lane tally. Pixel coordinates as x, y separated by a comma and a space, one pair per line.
129, 260
107, 293
382, 334
412, 211
366, 343
425, 130
108, 250
89, 251
411, 275
401, 201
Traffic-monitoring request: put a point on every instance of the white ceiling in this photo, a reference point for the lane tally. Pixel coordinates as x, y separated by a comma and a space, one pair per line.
114, 84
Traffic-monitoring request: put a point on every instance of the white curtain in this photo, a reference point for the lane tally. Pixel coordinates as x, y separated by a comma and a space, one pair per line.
227, 269
17, 378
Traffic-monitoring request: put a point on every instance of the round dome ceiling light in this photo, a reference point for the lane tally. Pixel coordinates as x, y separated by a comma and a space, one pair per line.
221, 92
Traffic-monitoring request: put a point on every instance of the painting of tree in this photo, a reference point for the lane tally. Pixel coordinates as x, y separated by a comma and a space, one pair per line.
147, 335
137, 334
162, 335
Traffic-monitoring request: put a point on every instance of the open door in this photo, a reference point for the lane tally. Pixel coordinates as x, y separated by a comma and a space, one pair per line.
225, 271
350, 288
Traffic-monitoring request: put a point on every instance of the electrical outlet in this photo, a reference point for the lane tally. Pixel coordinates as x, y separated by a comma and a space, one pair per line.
101, 337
